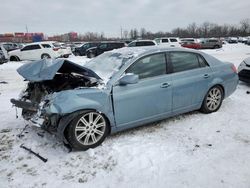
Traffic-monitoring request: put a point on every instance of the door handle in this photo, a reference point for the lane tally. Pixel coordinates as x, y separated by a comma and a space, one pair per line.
165, 85
206, 76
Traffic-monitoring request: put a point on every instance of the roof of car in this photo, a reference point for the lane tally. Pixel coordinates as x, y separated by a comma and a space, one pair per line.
143, 40
139, 51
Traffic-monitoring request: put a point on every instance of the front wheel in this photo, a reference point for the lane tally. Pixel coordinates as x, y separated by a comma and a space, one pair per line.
212, 100
87, 130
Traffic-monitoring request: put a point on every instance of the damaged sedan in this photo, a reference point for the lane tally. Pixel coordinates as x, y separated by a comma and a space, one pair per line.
121, 89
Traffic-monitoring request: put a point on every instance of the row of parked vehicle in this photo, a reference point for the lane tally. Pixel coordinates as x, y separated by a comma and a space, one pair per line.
52, 49
92, 49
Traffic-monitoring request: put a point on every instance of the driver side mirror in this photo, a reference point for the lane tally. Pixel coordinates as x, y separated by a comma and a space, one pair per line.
129, 78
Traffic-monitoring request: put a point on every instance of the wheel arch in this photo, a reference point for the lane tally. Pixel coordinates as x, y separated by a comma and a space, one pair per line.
66, 119
14, 58
221, 86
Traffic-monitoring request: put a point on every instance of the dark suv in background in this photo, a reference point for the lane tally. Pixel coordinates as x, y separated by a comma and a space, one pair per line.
103, 47
211, 43
81, 51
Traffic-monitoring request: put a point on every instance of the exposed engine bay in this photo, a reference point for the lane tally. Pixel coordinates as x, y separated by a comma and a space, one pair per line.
45, 78
36, 92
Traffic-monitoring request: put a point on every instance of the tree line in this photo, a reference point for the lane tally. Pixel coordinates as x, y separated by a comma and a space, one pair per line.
193, 30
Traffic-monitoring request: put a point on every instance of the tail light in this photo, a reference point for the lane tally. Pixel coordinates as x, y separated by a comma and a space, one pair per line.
56, 49
234, 69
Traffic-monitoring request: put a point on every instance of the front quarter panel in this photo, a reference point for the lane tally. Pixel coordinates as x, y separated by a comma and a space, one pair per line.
70, 101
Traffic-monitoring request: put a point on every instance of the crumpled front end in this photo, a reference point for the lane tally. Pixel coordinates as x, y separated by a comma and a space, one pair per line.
47, 78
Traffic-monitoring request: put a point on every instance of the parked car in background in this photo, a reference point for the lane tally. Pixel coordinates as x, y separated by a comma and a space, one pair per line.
190, 43
38, 50
168, 42
66, 50
103, 47
3, 54
121, 89
81, 51
9, 46
210, 43
2, 57
137, 43
244, 70
248, 41
232, 40
242, 39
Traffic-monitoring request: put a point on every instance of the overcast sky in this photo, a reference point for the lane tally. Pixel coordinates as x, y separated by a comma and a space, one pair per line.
108, 16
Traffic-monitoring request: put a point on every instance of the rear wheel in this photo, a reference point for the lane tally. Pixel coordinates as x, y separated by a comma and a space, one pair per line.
45, 56
14, 58
216, 46
87, 130
213, 100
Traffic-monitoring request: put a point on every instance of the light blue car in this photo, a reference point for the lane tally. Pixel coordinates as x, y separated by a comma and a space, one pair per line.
121, 89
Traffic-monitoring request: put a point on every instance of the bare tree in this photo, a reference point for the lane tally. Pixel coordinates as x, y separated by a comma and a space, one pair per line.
245, 26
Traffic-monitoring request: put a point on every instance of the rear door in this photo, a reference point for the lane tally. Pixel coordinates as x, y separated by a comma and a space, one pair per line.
191, 77
147, 100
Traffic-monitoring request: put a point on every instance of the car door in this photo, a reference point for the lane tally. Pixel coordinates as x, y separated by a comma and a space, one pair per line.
31, 52
150, 98
191, 77
25, 53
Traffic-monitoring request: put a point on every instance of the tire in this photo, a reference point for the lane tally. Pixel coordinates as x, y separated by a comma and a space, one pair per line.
216, 46
14, 58
77, 54
91, 55
87, 130
213, 100
45, 56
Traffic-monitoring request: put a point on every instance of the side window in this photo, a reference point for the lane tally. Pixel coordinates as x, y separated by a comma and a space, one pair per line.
46, 46
182, 61
164, 40
140, 43
132, 44
31, 47
173, 40
202, 61
103, 46
85, 46
150, 66
149, 43
26, 48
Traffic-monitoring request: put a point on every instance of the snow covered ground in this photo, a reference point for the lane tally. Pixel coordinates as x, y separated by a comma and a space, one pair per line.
191, 150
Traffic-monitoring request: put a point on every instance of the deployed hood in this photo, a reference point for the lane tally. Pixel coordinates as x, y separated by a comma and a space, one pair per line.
46, 69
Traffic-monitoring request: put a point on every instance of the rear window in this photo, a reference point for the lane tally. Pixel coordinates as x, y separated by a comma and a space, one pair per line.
46, 46
164, 40
57, 45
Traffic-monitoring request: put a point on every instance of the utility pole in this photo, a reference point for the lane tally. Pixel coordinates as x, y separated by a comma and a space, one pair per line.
121, 32
26, 28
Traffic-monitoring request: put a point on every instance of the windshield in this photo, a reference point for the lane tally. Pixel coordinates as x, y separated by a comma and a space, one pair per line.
107, 64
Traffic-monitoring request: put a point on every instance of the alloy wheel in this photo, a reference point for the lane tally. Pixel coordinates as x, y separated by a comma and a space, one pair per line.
90, 128
214, 99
